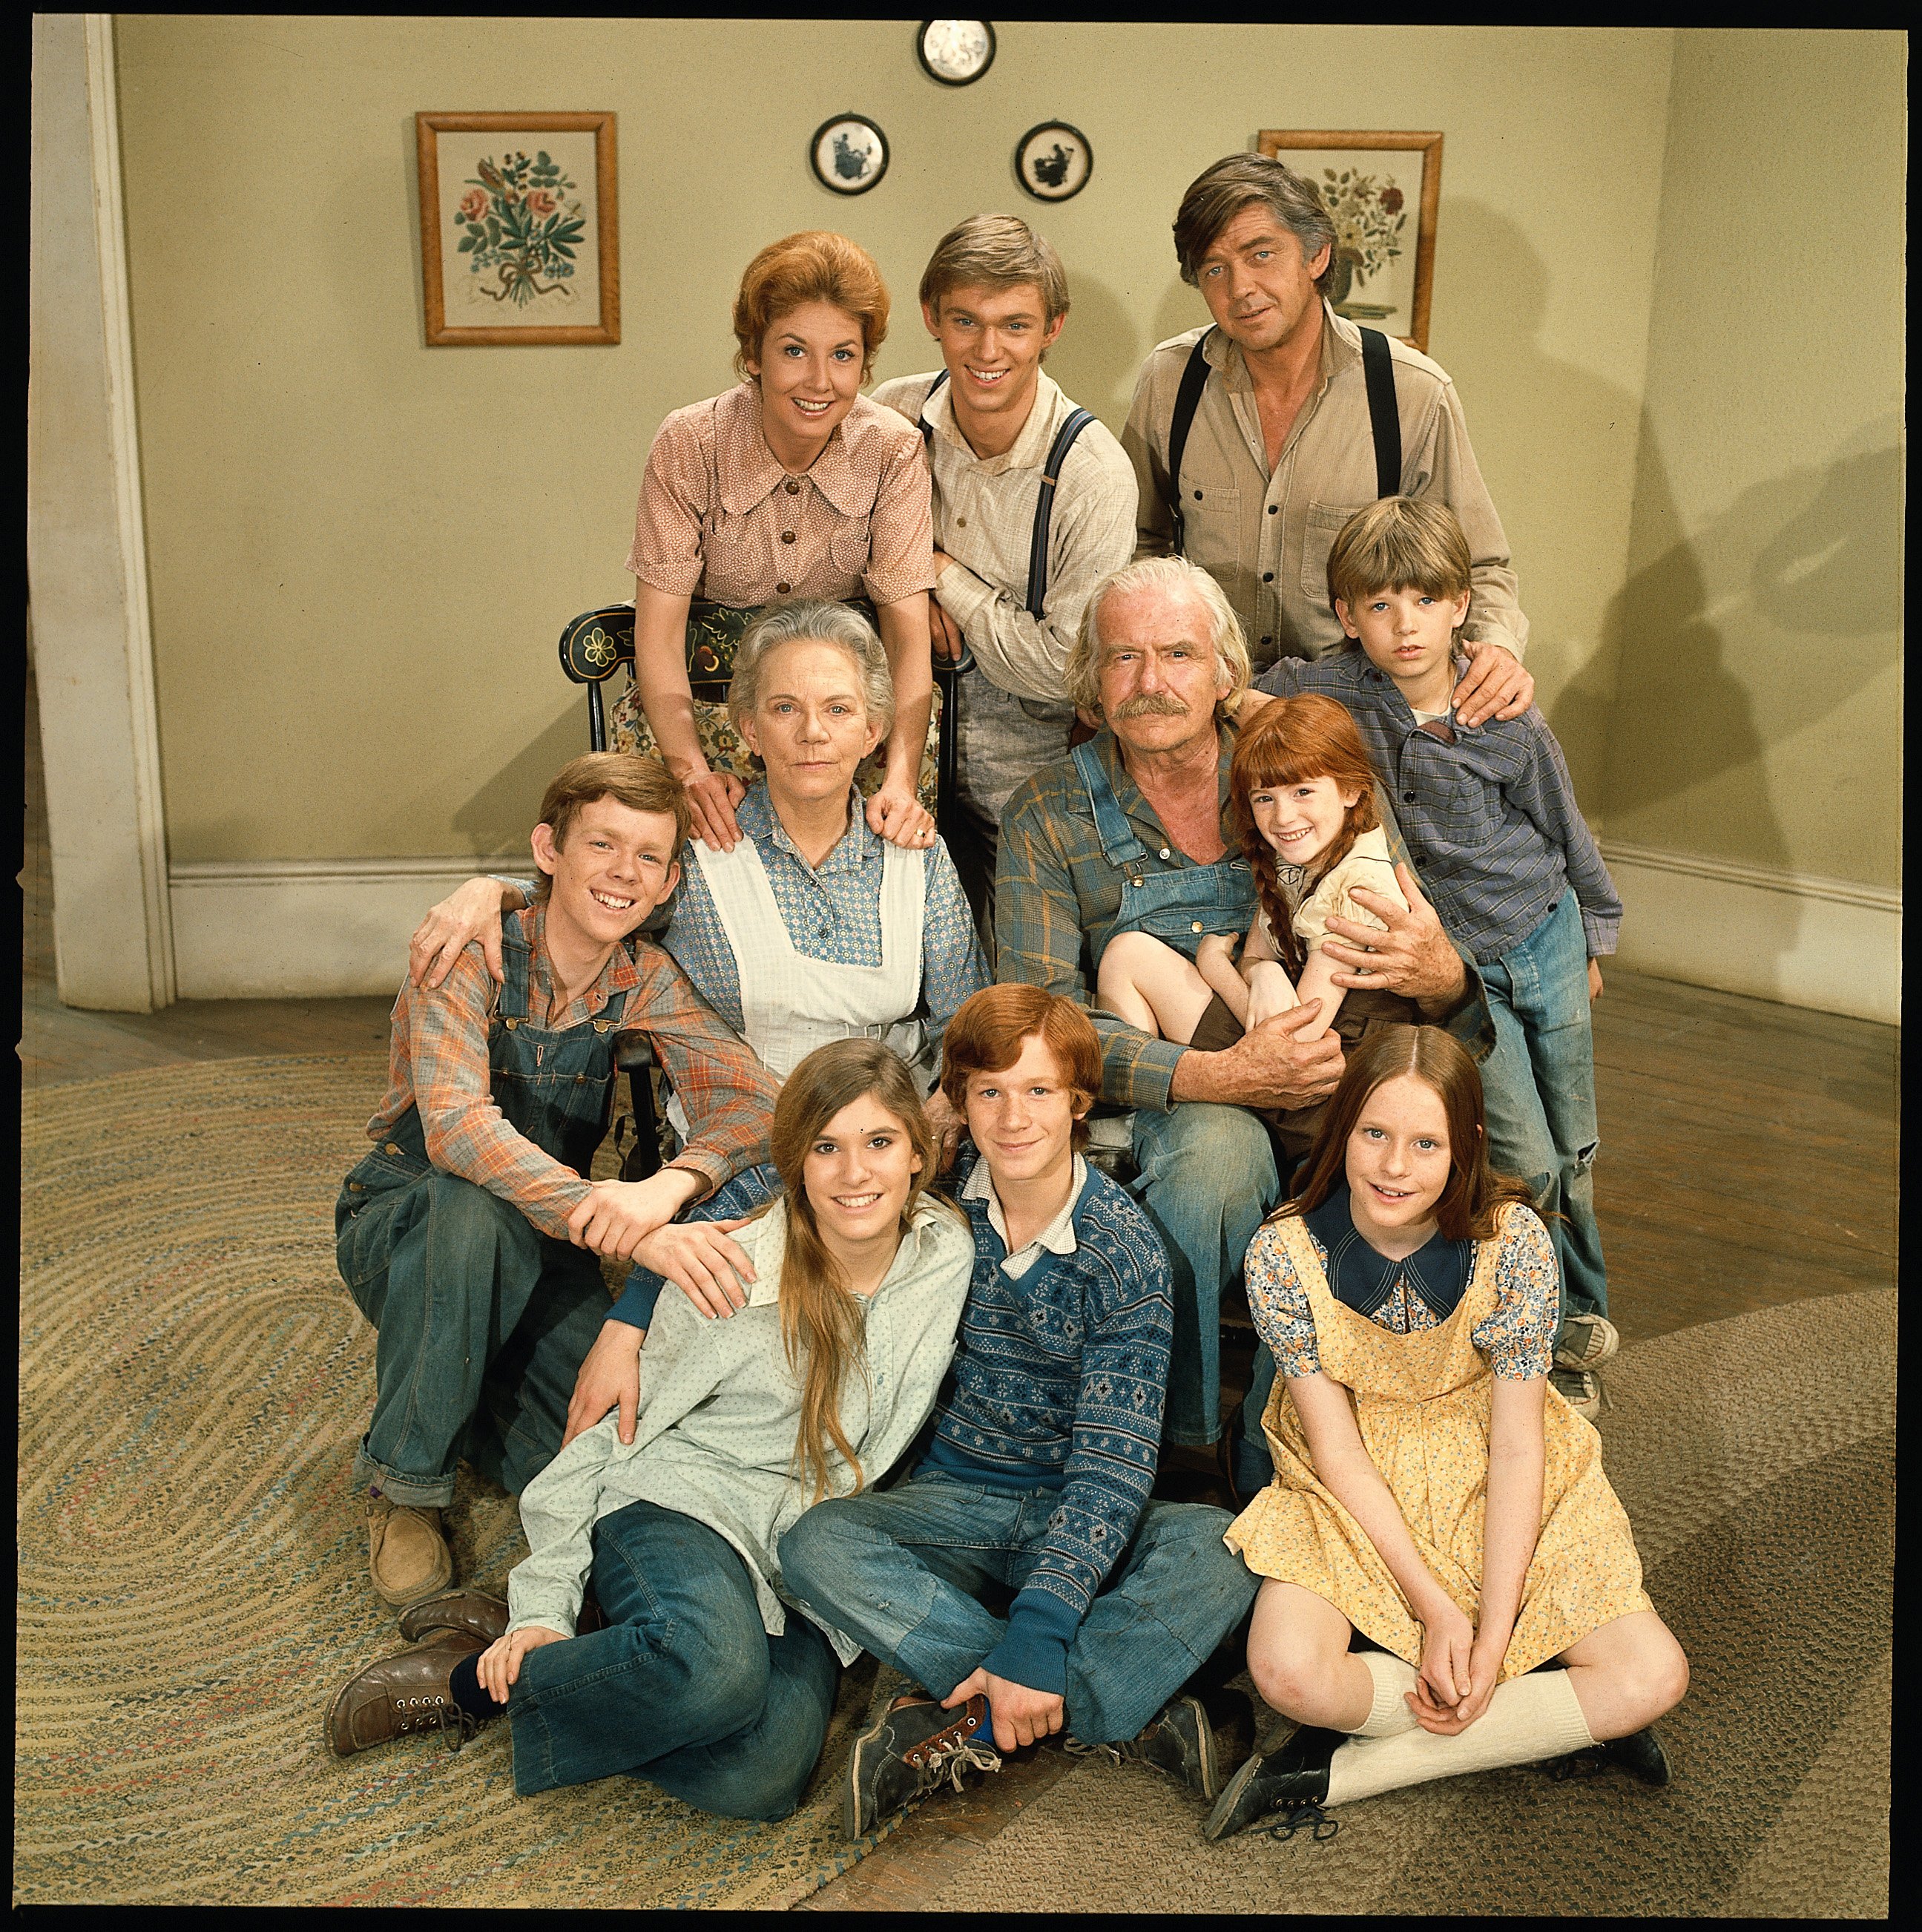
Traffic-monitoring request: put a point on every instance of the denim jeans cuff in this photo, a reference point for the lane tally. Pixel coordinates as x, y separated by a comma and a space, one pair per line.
414, 1492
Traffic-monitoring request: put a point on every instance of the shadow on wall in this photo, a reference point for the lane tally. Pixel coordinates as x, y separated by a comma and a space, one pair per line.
498, 817
1543, 429
1099, 351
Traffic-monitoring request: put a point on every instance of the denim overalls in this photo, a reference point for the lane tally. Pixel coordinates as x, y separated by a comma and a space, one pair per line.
484, 1320
1178, 907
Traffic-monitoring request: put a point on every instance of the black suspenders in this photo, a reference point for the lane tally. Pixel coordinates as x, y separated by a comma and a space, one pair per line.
1384, 419
1077, 420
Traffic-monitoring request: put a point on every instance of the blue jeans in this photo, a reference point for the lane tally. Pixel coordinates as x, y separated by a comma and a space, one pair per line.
1538, 1086
483, 1324
684, 1688
1207, 1180
904, 1570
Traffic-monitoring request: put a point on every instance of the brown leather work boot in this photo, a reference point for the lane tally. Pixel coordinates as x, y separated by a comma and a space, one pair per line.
473, 1612
401, 1695
407, 1555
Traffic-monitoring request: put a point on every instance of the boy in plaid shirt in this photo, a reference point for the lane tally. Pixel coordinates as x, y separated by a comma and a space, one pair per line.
1489, 816
470, 1236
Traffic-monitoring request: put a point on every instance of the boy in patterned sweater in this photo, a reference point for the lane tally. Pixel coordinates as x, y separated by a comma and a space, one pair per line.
1035, 1485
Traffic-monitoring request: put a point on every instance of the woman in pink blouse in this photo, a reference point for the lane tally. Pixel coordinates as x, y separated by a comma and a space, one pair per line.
792, 484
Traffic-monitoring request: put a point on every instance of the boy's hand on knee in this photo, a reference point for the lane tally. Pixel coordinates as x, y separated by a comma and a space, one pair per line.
498, 1666
1020, 1715
609, 1378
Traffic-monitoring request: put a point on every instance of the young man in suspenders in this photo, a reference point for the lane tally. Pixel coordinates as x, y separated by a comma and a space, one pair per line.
1255, 440
1034, 504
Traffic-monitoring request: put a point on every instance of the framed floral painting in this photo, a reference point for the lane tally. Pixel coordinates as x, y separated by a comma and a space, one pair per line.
1382, 190
520, 242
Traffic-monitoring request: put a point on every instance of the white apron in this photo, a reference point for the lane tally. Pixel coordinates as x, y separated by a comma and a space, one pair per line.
791, 1004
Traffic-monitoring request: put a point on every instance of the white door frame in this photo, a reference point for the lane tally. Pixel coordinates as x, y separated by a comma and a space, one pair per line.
86, 542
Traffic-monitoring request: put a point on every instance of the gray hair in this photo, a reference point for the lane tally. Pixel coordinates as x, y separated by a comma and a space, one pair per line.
1233, 671
1218, 194
816, 620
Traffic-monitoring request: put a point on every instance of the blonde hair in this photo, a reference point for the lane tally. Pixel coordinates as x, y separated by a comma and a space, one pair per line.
822, 1329
996, 252
1233, 671
1399, 543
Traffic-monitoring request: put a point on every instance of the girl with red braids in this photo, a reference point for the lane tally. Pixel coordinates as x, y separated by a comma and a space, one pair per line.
1304, 802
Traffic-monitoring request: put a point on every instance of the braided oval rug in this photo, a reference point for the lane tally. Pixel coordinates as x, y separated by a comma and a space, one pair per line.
193, 1572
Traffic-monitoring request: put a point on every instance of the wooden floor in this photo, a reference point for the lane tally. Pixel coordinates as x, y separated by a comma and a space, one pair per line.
1748, 1158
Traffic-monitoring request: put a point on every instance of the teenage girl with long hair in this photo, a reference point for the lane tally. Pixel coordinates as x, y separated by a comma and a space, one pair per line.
700, 1677
1430, 1491
1303, 794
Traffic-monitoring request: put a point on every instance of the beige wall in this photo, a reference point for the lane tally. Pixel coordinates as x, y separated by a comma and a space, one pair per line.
1757, 717
361, 550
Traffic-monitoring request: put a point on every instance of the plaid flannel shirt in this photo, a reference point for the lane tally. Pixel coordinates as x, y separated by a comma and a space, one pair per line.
1490, 812
437, 1062
1053, 882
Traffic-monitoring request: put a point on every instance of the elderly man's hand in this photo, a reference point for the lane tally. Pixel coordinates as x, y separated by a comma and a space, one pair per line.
1495, 685
1269, 1067
1413, 957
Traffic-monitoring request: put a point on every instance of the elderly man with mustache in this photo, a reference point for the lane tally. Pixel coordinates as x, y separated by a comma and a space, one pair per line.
1132, 833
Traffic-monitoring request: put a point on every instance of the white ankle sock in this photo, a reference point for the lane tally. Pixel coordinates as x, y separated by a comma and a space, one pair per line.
1537, 1716
1388, 1716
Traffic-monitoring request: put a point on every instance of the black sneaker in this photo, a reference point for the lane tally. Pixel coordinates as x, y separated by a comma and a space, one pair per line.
1640, 1754
1180, 1741
913, 1748
1297, 1773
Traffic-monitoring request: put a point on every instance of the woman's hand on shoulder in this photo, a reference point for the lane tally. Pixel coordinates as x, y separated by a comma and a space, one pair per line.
895, 813
712, 798
498, 1665
470, 911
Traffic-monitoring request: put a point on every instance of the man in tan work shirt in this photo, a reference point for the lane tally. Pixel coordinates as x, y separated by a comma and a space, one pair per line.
1012, 576
1280, 454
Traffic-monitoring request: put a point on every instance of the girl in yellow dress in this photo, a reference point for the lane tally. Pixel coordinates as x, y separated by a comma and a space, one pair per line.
1432, 1490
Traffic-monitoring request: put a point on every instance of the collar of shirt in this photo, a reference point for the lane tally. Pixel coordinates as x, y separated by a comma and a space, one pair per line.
620, 974
1030, 450
1341, 348
766, 1240
1437, 1273
1497, 750
756, 817
1128, 795
1057, 1237
749, 472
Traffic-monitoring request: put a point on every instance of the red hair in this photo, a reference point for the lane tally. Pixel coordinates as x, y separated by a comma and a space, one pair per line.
987, 1032
1292, 740
815, 265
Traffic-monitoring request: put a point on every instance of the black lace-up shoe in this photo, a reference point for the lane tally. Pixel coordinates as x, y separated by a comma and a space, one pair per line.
1296, 1774
1180, 1742
915, 1747
1640, 1754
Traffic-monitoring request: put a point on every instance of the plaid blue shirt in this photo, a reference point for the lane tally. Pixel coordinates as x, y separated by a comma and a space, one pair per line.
1490, 814
831, 911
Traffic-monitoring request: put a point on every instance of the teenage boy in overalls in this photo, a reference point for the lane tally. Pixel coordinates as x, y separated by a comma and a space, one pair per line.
1134, 832
470, 1236
1034, 504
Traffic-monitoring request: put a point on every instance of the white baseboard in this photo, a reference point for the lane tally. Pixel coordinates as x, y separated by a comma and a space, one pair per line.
320, 928
1831, 944
306, 929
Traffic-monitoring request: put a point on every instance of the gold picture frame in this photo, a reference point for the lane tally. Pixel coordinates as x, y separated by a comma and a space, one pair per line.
1385, 278
519, 238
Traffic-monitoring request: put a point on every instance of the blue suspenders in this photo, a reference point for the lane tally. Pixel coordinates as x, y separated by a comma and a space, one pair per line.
1044, 507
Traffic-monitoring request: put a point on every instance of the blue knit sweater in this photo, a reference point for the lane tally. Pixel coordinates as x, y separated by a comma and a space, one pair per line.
1059, 1382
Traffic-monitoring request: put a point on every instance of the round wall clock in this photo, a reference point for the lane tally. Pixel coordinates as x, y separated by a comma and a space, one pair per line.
1053, 162
955, 52
849, 154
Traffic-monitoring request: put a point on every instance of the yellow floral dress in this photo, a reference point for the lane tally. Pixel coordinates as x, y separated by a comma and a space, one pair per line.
1422, 1399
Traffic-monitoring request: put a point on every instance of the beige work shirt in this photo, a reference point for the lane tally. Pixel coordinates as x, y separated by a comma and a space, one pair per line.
984, 523
1265, 534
